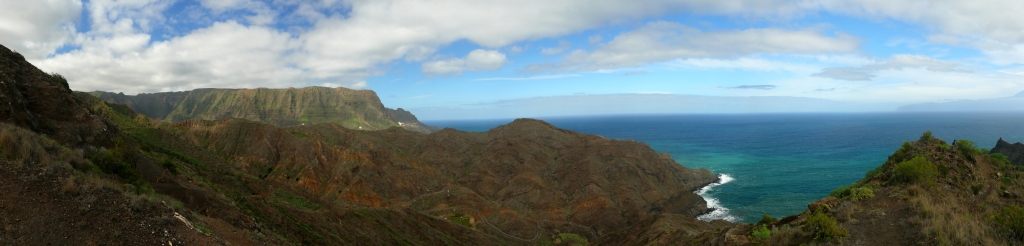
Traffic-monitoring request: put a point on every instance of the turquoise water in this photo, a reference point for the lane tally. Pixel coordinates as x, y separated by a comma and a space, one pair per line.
778, 163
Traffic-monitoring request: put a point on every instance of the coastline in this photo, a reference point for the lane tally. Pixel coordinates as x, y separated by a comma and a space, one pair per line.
715, 210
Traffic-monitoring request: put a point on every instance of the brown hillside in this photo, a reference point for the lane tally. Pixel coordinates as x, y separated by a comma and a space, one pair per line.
519, 178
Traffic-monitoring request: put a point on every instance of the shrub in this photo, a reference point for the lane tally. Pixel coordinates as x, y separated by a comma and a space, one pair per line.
840, 192
167, 164
967, 147
927, 136
60, 79
767, 220
761, 232
573, 239
861, 193
1012, 219
917, 170
825, 227
1000, 157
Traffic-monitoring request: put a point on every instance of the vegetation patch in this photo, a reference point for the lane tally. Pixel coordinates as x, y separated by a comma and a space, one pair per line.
767, 220
861, 193
295, 201
1012, 219
461, 219
573, 239
825, 227
760, 232
918, 170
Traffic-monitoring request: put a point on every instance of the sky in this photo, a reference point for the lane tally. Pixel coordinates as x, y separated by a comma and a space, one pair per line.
465, 59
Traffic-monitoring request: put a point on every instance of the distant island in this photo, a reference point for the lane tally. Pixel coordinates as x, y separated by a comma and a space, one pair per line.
1014, 103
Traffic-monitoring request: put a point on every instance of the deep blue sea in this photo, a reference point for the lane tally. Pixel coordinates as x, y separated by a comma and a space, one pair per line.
777, 163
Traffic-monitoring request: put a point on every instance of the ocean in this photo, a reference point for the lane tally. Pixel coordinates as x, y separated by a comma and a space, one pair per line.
778, 163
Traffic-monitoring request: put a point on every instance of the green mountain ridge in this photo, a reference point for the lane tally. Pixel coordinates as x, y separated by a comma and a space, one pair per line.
354, 109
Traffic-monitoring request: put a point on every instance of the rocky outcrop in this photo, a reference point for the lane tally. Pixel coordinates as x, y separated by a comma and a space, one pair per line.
1013, 152
43, 103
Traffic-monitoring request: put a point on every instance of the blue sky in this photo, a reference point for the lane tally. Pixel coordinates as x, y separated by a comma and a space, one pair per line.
459, 59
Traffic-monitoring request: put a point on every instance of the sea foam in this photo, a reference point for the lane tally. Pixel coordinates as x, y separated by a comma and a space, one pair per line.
718, 212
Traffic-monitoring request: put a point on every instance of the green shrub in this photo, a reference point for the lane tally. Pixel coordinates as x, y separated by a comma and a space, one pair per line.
761, 232
573, 239
167, 164
460, 219
767, 220
977, 188
1000, 157
840, 192
967, 147
861, 193
927, 136
60, 80
1012, 219
825, 227
917, 170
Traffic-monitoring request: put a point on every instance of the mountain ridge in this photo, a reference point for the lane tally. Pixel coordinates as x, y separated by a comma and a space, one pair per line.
356, 109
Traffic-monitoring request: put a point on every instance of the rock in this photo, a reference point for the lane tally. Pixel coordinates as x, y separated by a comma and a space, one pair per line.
1013, 152
825, 205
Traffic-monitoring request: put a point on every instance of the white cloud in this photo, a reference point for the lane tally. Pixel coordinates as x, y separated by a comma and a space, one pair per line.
225, 55
37, 28
662, 41
484, 60
562, 46
262, 14
896, 62
476, 60
376, 32
595, 39
993, 26
453, 66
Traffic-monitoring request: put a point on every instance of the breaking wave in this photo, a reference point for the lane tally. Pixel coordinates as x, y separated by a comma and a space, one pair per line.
718, 212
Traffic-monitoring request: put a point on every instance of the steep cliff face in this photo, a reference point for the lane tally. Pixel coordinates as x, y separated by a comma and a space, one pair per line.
355, 109
1013, 152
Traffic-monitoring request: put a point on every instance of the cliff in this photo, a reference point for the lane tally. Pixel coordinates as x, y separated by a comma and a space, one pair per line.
355, 109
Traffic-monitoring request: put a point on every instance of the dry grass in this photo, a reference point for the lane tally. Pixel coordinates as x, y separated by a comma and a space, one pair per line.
20, 146
951, 225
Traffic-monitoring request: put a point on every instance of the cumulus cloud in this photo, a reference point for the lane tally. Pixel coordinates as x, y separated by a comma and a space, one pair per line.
663, 41
484, 60
444, 67
896, 62
37, 28
225, 55
476, 60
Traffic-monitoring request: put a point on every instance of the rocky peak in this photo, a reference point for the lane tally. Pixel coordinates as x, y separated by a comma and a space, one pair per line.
1013, 152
